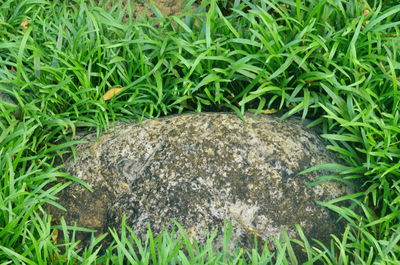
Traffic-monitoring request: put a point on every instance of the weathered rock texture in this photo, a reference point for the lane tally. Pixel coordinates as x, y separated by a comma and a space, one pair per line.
167, 7
200, 169
143, 8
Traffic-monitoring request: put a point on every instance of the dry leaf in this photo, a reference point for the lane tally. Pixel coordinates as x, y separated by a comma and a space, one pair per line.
24, 24
112, 92
54, 235
365, 13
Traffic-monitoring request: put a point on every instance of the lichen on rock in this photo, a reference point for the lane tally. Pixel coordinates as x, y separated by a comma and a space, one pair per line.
202, 169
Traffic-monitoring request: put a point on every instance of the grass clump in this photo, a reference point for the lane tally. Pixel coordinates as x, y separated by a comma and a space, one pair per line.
336, 62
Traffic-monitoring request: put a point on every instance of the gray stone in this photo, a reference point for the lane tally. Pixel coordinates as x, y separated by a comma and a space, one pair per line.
8, 101
201, 169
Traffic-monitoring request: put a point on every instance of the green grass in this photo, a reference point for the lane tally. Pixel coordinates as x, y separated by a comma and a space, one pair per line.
324, 60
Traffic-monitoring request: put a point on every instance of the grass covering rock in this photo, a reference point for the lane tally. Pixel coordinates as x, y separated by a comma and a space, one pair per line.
330, 61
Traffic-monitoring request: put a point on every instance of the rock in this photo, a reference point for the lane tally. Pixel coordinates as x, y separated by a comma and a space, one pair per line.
7, 100
166, 7
200, 169
143, 8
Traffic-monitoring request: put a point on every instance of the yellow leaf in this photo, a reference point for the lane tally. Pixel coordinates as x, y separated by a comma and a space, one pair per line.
24, 24
269, 111
54, 235
112, 92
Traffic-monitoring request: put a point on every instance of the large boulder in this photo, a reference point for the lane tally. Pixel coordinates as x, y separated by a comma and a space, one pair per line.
202, 169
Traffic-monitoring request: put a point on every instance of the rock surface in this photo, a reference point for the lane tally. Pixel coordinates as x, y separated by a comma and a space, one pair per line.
166, 7
6, 99
143, 8
200, 169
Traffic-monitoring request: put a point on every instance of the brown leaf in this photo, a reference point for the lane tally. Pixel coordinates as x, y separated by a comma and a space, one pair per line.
24, 24
112, 92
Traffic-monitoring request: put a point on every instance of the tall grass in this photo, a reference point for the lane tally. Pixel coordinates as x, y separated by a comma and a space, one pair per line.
334, 61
